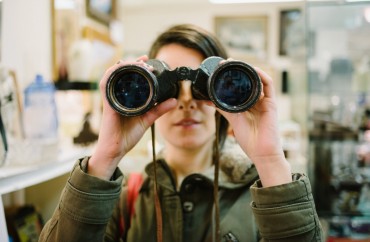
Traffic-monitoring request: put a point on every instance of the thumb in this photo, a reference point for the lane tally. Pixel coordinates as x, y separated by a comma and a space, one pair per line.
159, 110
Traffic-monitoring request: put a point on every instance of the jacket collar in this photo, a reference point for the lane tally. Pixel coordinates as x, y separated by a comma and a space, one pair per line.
236, 169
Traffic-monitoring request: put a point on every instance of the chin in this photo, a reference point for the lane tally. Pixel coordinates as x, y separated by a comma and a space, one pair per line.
192, 143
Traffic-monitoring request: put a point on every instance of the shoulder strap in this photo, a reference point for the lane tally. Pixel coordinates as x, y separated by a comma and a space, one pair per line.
134, 182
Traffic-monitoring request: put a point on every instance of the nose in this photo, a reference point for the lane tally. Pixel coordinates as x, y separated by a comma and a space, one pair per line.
185, 98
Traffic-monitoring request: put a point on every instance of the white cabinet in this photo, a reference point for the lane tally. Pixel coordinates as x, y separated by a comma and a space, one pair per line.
15, 178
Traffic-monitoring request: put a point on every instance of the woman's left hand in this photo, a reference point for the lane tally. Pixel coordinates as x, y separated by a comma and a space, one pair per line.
256, 130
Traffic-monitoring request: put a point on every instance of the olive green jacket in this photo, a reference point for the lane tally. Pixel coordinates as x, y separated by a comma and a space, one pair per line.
90, 208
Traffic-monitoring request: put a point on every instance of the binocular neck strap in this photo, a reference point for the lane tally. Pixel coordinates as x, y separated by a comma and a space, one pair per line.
157, 204
217, 231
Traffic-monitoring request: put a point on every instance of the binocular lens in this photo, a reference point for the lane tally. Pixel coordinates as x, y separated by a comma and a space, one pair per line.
132, 90
235, 89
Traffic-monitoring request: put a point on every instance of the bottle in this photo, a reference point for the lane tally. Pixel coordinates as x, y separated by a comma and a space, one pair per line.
40, 111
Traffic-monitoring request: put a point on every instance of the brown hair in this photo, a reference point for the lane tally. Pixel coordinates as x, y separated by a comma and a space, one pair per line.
196, 38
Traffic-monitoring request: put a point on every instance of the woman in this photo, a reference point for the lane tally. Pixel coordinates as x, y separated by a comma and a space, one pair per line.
259, 198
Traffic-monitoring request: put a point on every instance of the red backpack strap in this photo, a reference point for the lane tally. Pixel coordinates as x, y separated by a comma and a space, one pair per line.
134, 182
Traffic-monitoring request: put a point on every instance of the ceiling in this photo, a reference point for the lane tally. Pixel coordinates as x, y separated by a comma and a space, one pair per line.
159, 2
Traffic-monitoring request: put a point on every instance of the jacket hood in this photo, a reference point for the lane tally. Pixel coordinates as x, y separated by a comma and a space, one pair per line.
236, 168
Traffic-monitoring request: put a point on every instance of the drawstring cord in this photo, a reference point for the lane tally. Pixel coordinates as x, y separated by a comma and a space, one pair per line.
158, 210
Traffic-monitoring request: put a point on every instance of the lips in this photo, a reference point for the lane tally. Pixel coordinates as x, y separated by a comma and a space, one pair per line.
187, 122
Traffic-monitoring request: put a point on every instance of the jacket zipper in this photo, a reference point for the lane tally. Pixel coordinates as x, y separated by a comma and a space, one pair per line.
229, 237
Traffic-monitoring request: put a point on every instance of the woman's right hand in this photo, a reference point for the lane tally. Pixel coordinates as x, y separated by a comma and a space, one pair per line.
119, 134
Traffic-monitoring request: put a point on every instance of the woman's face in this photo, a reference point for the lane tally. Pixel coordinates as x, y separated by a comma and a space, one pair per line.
192, 123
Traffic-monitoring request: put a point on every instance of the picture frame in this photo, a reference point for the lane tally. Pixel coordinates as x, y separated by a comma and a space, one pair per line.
102, 11
245, 37
288, 18
65, 31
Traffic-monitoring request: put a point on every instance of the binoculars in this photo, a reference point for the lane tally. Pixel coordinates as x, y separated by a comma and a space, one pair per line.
233, 86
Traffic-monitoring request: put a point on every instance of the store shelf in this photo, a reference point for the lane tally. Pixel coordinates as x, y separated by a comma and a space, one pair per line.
17, 177
13, 178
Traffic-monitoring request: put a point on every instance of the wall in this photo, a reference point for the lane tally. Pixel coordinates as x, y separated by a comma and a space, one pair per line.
143, 23
26, 38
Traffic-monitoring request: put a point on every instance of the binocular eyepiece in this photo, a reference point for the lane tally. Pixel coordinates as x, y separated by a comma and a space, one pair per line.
232, 86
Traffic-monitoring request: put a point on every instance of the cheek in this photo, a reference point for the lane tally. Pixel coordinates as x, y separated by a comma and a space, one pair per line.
162, 122
206, 109
209, 113
164, 126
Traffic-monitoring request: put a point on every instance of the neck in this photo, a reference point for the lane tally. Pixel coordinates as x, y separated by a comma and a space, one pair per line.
187, 161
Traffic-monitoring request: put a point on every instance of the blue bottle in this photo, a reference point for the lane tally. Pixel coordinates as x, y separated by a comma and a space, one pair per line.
40, 112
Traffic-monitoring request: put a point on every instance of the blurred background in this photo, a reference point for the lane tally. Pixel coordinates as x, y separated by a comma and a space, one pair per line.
318, 53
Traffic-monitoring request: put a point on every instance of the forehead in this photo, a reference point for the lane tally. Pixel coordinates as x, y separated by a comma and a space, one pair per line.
176, 55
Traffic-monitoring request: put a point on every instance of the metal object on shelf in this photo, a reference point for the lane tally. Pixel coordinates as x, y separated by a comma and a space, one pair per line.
3, 143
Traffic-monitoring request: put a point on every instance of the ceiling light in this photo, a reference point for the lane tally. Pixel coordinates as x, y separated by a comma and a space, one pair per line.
367, 14
251, 1
64, 4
